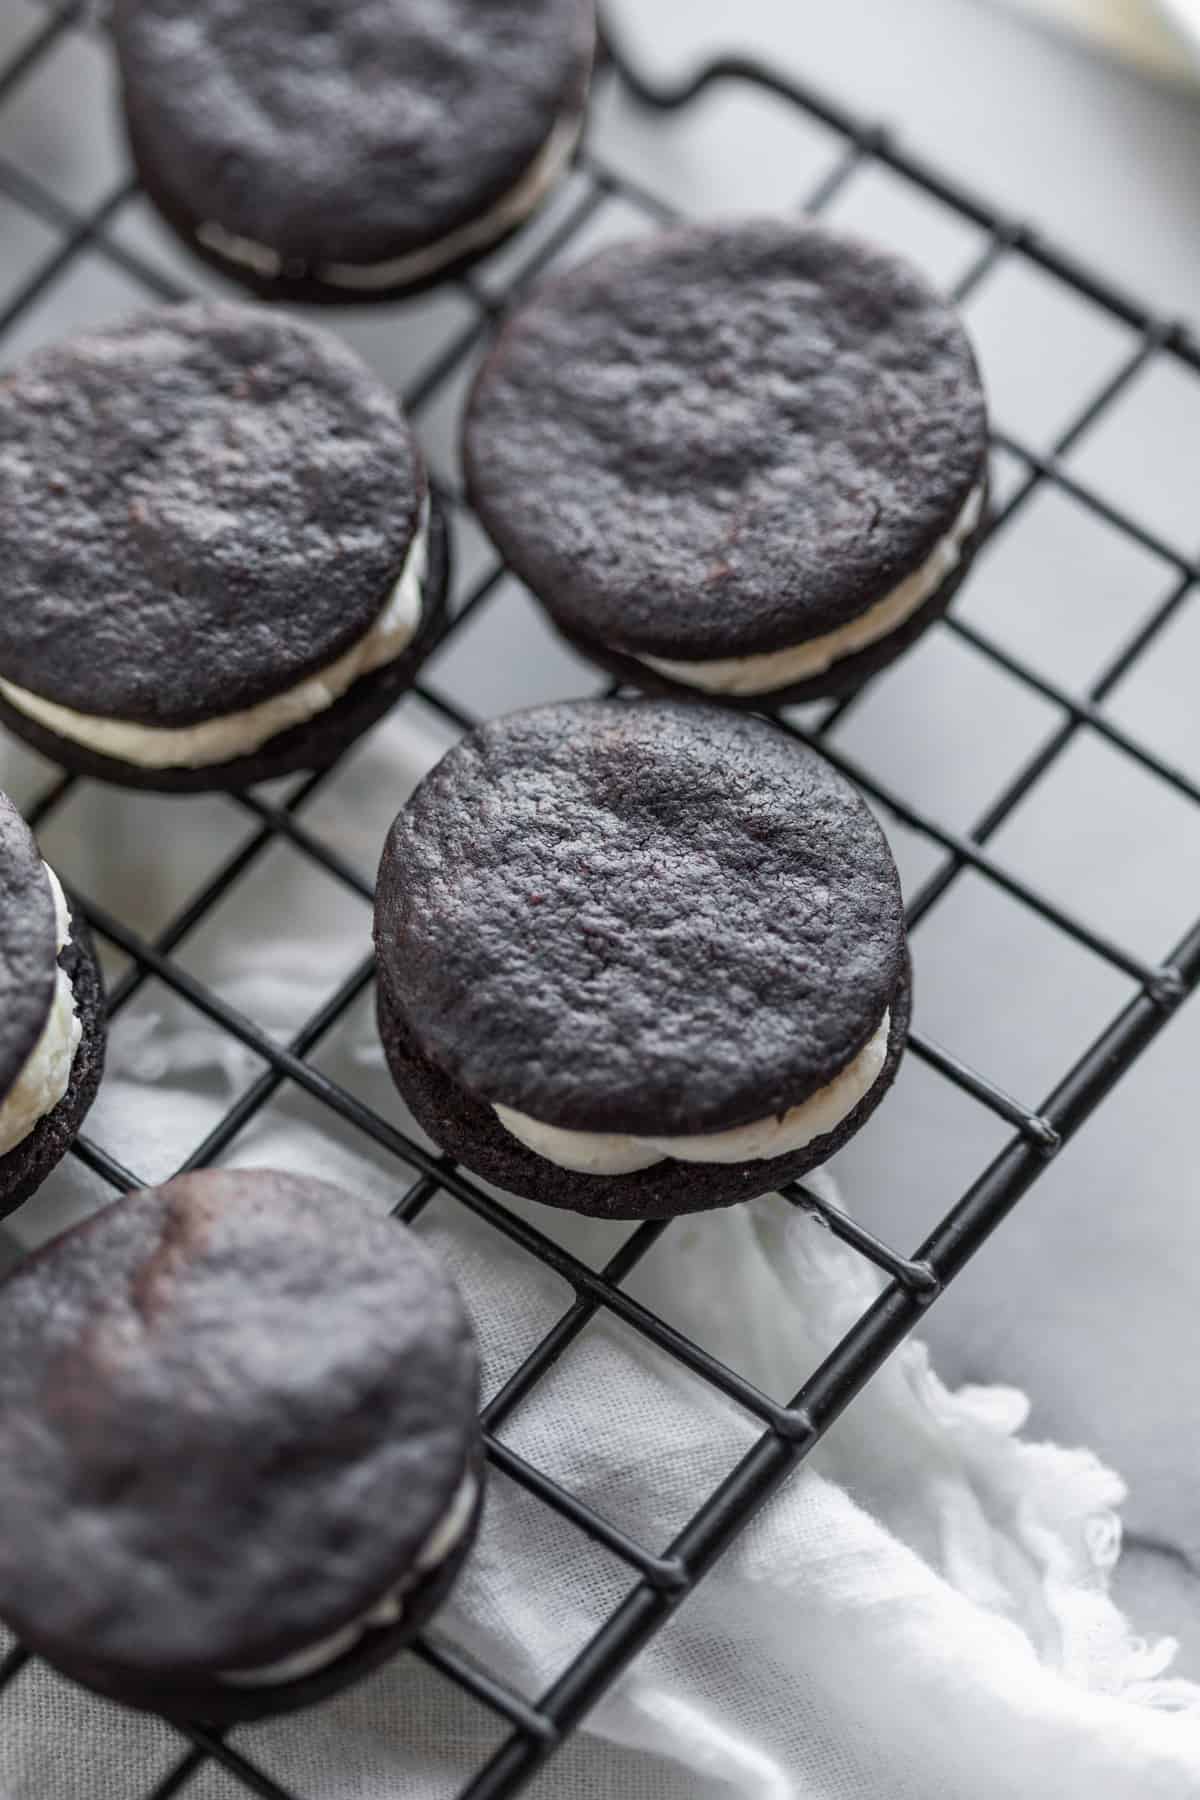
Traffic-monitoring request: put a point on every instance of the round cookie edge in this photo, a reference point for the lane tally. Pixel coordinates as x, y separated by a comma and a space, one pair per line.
311, 746
29, 1163
467, 1130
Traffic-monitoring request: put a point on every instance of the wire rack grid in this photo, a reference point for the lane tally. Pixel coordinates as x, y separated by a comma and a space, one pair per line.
662, 1578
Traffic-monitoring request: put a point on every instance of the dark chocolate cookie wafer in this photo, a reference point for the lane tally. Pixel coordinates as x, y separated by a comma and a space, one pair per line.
240, 1451
222, 560
843, 677
639, 958
470, 1131
24, 1168
52, 1026
744, 458
345, 153
313, 744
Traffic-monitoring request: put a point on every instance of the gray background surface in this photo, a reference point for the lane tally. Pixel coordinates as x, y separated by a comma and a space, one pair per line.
1088, 1297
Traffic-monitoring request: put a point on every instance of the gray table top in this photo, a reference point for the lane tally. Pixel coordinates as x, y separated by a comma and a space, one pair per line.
1102, 156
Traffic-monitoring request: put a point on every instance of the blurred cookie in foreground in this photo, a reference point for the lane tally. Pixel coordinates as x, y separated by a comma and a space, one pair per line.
639, 958
351, 152
222, 559
52, 1022
747, 459
239, 1441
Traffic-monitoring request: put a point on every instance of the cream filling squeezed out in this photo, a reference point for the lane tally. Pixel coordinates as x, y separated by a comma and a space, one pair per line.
543, 172
780, 668
446, 1535
239, 733
47, 1072
612, 1153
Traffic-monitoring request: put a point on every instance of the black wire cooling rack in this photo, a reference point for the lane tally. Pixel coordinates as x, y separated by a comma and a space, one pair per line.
661, 1582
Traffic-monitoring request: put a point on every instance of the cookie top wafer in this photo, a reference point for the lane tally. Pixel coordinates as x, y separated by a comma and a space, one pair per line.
325, 133
725, 441
199, 508
638, 917
232, 1411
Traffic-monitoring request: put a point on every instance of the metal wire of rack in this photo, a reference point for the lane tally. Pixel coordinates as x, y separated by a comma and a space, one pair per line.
664, 1579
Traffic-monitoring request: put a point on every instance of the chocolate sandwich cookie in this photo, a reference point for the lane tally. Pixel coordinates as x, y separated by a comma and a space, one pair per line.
241, 1461
222, 558
746, 458
344, 153
52, 1024
639, 958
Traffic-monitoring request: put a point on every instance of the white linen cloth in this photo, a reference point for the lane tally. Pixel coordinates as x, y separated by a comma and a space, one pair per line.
1135, 30
922, 1612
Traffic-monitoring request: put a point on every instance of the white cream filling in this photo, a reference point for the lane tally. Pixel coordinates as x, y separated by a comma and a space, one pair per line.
239, 733
248, 253
47, 1072
611, 1153
445, 1537
543, 172
780, 668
